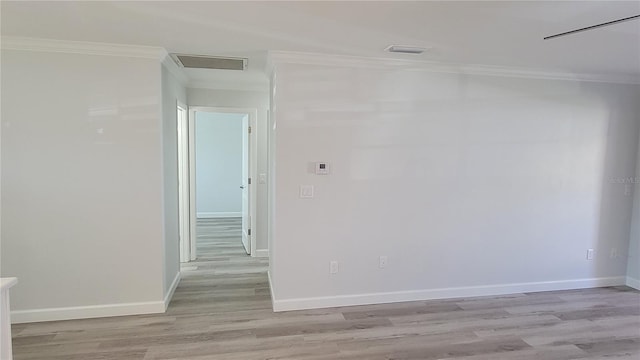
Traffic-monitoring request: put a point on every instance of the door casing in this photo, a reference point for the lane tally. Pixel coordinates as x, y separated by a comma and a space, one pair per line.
253, 170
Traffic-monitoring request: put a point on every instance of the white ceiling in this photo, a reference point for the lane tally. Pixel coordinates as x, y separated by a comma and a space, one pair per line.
501, 33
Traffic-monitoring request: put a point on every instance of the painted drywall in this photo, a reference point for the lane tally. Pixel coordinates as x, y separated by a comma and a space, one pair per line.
245, 99
218, 143
633, 264
271, 188
82, 218
469, 184
172, 93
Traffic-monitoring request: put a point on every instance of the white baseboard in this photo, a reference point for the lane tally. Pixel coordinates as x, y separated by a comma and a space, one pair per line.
273, 298
444, 293
634, 283
262, 253
95, 311
86, 312
172, 289
213, 215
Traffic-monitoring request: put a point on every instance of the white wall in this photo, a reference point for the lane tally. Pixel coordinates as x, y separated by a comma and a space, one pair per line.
633, 265
82, 218
271, 188
245, 99
218, 140
172, 93
469, 184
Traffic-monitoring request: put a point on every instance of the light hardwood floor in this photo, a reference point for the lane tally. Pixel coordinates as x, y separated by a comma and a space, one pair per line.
222, 310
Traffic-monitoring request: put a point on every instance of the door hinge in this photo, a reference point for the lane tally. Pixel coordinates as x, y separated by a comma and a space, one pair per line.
249, 129
249, 232
249, 181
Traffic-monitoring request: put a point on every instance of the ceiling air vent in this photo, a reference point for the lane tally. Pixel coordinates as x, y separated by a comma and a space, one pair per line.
210, 62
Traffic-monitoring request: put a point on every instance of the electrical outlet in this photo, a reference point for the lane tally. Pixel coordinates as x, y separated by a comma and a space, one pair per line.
333, 267
306, 191
382, 262
589, 254
614, 253
627, 189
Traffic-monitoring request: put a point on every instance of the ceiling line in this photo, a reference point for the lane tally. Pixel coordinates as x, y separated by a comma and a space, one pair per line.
592, 27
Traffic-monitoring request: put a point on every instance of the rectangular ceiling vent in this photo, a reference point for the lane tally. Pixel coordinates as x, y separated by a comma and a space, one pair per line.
210, 62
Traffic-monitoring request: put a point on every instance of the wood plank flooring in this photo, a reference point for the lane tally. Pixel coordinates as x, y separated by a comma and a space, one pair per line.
222, 310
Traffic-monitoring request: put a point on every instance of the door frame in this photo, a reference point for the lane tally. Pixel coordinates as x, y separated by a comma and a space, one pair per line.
184, 212
253, 170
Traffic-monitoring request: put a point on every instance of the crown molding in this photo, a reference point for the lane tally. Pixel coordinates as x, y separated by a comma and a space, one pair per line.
279, 57
82, 47
169, 63
286, 57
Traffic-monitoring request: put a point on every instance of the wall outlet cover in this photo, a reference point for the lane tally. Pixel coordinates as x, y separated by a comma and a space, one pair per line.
306, 191
333, 267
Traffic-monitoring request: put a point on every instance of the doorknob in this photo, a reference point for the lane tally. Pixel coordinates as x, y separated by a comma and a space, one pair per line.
241, 186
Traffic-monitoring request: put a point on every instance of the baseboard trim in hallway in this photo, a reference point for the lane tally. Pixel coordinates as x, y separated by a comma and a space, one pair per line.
273, 297
86, 312
172, 290
262, 253
437, 294
95, 311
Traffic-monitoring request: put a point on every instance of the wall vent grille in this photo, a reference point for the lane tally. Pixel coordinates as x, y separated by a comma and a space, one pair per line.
210, 62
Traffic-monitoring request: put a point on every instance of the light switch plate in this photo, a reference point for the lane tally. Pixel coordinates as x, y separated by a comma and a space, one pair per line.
382, 262
306, 191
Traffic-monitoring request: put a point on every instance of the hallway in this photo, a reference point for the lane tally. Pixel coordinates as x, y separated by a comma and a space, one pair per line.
220, 249
223, 275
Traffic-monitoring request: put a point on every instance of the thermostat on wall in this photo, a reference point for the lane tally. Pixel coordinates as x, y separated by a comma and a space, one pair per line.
322, 168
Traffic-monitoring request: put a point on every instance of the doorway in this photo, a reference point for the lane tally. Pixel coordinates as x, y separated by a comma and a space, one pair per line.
219, 152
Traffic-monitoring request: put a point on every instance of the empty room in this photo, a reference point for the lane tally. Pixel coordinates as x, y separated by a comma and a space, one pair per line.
319, 180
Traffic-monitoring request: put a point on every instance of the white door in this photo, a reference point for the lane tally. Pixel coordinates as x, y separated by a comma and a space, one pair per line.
246, 186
